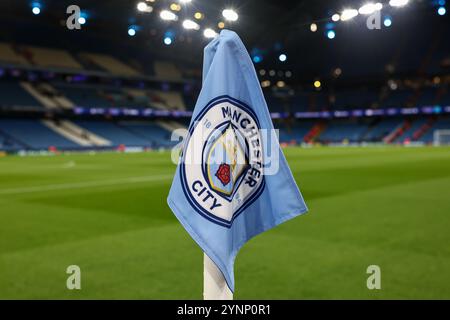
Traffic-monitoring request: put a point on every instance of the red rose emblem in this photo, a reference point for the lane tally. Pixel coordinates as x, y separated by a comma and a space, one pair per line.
223, 173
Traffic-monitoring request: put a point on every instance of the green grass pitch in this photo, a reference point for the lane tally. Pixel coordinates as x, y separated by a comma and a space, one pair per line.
107, 213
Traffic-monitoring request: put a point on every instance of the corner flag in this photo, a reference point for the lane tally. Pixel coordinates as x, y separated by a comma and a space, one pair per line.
232, 181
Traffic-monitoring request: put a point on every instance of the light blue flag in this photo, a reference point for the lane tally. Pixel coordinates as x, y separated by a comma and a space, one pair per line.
232, 181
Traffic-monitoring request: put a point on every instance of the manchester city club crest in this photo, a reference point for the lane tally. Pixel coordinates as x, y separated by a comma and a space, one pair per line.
222, 161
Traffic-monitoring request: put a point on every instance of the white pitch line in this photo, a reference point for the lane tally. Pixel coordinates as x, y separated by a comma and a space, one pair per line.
78, 185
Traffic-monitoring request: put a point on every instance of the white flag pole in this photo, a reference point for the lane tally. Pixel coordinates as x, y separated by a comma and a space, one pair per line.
214, 285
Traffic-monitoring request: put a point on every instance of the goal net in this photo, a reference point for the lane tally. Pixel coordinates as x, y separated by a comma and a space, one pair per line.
441, 137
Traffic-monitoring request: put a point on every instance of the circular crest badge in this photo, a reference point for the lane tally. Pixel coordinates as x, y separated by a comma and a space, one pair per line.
222, 161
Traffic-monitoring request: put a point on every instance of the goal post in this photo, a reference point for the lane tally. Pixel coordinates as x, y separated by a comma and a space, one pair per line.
441, 137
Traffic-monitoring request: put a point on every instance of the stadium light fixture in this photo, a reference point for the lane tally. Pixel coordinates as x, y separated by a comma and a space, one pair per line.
331, 34
282, 57
336, 17
265, 83
337, 72
209, 33
198, 15
168, 15
398, 3
131, 31
190, 25
175, 7
370, 8
392, 84
221, 25
167, 41
317, 84
313, 27
230, 15
141, 6
281, 84
36, 7
348, 14
387, 22
257, 58
36, 10
442, 11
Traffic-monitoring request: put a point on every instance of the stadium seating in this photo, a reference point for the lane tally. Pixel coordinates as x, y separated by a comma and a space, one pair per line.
7, 143
85, 96
341, 130
115, 133
158, 136
62, 93
9, 56
167, 100
101, 97
110, 64
167, 71
32, 134
45, 57
13, 94
381, 129
440, 124
408, 134
295, 132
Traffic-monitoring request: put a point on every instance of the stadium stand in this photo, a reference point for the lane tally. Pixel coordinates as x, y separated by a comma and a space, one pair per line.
408, 134
110, 64
117, 134
59, 82
440, 124
294, 132
87, 96
382, 128
150, 131
34, 134
80, 136
167, 100
167, 71
46, 95
7, 143
14, 94
52, 58
9, 56
105, 97
342, 130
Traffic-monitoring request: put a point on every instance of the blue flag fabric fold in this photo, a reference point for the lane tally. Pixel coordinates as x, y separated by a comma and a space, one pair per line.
225, 191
